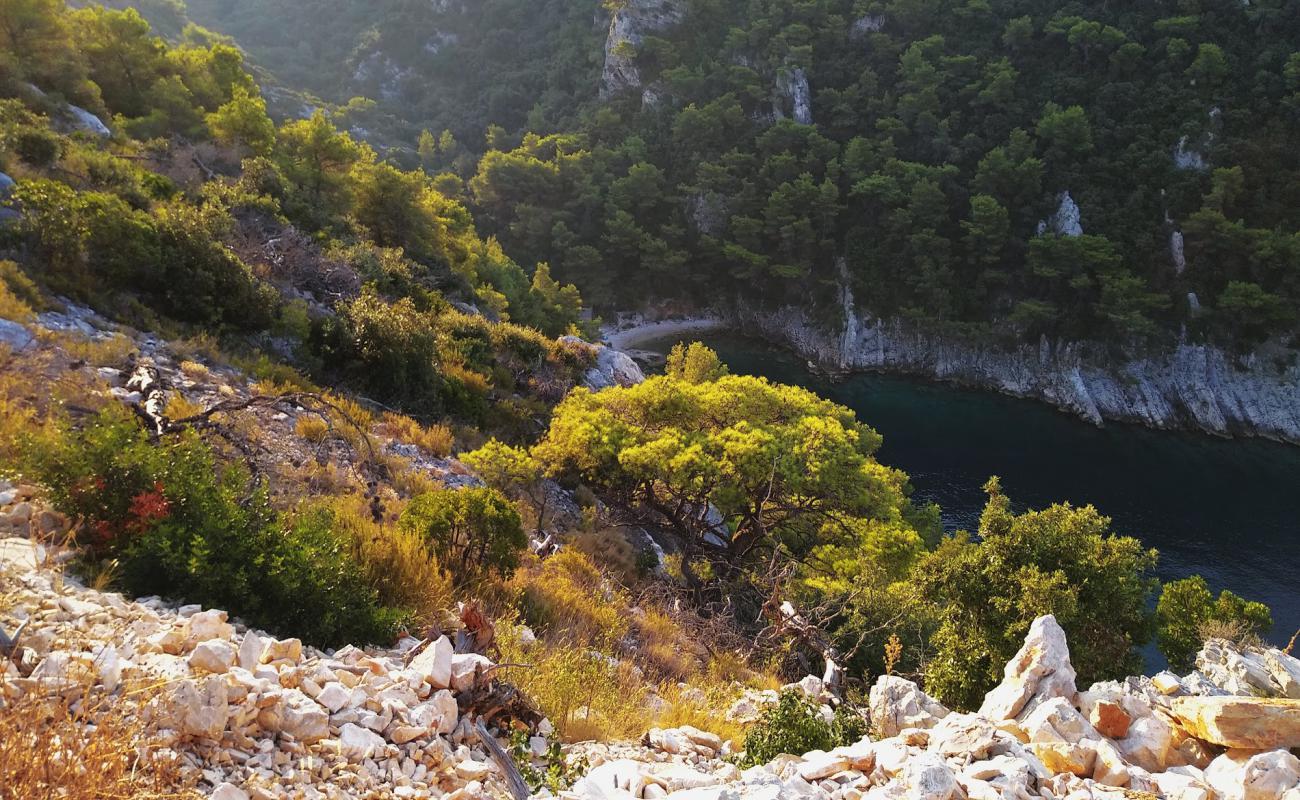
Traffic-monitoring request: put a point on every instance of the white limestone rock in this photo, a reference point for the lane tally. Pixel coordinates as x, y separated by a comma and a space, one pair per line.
1066, 220
896, 703
434, 663
206, 625
1039, 672
1253, 775
628, 27
214, 655
1268, 672
199, 707
358, 744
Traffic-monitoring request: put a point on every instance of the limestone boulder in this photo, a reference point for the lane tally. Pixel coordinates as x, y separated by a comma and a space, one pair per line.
1039, 672
1253, 775
296, 714
467, 669
896, 703
968, 736
199, 707
358, 744
1241, 722
928, 777
1268, 672
214, 655
1057, 721
203, 626
434, 663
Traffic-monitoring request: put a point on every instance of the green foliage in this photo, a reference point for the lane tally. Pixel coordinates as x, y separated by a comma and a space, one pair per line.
243, 122
795, 725
1061, 560
1186, 606
388, 349
694, 363
555, 772
471, 531
183, 523
783, 468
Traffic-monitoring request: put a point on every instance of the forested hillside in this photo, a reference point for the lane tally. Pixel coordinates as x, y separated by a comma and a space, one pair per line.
1123, 173
269, 367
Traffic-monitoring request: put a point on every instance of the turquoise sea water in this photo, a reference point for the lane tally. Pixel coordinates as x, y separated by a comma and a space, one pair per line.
1229, 510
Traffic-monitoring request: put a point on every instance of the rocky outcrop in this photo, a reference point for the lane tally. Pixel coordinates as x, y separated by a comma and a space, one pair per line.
627, 29
1040, 672
1036, 737
793, 95
249, 715
1265, 673
897, 704
1066, 220
610, 367
1247, 722
1190, 386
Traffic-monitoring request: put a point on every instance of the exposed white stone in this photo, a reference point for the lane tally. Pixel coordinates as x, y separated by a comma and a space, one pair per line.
627, 30
793, 95
228, 791
214, 655
1176, 252
1188, 385
1039, 672
897, 703
358, 744
1186, 158
1065, 221
434, 663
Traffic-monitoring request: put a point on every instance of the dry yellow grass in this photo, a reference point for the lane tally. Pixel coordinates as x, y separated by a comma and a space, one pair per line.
13, 308
405, 479
398, 564
312, 428
568, 595
195, 371
437, 440
109, 352
80, 748
178, 407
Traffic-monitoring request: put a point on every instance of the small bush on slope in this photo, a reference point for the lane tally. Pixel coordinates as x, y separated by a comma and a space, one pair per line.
182, 526
794, 725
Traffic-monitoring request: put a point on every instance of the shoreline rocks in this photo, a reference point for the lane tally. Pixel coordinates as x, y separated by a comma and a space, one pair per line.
1190, 387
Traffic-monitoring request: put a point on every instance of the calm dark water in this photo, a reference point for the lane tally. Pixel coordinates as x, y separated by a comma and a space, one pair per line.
1228, 510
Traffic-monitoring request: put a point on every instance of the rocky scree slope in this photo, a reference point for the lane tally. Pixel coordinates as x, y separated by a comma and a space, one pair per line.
1207, 736
245, 715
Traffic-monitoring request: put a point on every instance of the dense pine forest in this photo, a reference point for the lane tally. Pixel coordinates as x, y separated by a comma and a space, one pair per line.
1123, 173
296, 307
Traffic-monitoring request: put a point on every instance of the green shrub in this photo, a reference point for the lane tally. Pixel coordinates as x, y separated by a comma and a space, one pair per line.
184, 524
388, 350
1187, 607
19, 285
37, 147
795, 725
469, 530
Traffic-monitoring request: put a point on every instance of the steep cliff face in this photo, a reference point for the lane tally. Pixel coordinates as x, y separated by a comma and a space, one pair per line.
627, 29
1190, 387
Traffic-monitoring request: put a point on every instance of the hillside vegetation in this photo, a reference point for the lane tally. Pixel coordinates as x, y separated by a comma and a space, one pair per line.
316, 391
995, 169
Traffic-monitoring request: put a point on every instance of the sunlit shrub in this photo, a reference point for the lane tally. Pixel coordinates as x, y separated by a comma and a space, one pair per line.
471, 531
568, 591
184, 524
